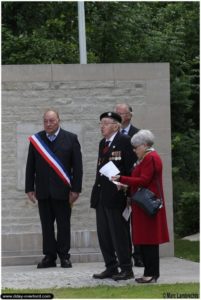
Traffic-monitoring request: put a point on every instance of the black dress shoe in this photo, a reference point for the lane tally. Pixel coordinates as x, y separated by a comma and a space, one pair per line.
106, 274
46, 263
123, 275
138, 263
152, 279
65, 263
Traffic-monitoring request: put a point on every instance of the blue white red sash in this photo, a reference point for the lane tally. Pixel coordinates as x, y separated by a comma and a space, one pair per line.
50, 157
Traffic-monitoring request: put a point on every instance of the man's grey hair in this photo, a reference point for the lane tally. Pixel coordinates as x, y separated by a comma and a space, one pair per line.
119, 124
125, 105
143, 137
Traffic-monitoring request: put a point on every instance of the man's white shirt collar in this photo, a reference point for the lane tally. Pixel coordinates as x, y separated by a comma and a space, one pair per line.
56, 133
126, 129
111, 138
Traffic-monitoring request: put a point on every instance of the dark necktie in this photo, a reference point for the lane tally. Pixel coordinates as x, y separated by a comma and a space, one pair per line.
106, 147
123, 131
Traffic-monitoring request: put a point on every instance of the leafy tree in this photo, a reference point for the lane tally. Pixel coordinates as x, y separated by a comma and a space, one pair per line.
40, 32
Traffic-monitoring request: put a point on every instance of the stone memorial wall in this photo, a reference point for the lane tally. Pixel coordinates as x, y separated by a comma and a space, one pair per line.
80, 93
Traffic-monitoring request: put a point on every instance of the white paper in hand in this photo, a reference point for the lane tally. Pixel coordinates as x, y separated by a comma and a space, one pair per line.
109, 170
126, 213
120, 184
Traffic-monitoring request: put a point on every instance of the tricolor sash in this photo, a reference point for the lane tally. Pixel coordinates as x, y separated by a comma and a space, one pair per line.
50, 157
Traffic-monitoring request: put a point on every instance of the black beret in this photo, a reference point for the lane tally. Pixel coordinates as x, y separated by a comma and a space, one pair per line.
112, 115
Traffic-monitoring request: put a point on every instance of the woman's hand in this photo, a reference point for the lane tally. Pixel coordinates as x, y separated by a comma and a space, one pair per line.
115, 178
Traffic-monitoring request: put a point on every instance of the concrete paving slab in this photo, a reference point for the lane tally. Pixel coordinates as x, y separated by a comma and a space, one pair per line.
193, 237
173, 270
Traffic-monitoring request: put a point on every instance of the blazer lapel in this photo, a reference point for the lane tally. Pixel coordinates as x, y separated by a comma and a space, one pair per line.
114, 143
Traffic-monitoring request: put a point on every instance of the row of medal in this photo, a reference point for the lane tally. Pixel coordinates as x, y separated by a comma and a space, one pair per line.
116, 155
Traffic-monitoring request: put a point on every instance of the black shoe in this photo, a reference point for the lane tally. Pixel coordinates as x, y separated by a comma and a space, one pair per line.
123, 275
138, 263
65, 263
106, 274
46, 263
152, 279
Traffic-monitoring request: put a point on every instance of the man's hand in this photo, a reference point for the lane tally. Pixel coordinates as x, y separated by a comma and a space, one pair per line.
32, 197
73, 197
115, 178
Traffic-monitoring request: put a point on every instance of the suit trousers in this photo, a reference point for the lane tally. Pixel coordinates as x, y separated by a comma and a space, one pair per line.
150, 256
113, 237
137, 252
51, 210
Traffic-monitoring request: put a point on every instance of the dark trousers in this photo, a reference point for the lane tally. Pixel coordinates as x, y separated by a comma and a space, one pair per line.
113, 237
150, 256
129, 236
51, 210
137, 252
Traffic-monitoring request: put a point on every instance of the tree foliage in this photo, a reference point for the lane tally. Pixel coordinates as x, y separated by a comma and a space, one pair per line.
47, 32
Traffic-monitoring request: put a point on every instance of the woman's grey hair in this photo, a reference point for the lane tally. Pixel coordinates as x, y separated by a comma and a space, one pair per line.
143, 137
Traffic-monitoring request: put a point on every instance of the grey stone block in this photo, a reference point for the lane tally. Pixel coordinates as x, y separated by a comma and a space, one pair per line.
141, 71
27, 248
26, 73
83, 72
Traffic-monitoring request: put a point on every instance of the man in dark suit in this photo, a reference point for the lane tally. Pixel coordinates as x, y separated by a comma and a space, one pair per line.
110, 201
55, 180
126, 113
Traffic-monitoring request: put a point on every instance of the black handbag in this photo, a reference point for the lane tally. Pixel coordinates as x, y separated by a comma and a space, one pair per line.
147, 200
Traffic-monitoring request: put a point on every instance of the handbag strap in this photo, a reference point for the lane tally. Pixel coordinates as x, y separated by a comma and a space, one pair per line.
157, 180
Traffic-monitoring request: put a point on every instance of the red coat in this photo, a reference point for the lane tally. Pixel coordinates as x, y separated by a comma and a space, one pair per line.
146, 229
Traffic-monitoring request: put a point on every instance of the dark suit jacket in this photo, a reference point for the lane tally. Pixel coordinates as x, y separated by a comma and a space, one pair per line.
133, 130
40, 177
120, 153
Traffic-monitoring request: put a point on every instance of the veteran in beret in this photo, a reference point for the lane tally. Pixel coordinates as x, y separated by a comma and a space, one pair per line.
110, 201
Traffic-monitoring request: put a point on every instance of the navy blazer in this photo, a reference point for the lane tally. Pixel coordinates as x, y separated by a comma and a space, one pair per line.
121, 154
133, 130
41, 177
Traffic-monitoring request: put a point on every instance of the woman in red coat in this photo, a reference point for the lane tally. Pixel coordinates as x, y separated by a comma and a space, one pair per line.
147, 231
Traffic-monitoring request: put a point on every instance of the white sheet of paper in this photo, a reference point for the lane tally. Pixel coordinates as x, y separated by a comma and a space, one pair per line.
126, 213
109, 170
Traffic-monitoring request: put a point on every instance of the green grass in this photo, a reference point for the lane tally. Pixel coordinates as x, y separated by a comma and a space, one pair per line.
130, 291
183, 249
187, 250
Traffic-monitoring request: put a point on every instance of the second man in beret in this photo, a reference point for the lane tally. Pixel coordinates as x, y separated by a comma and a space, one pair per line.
110, 202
